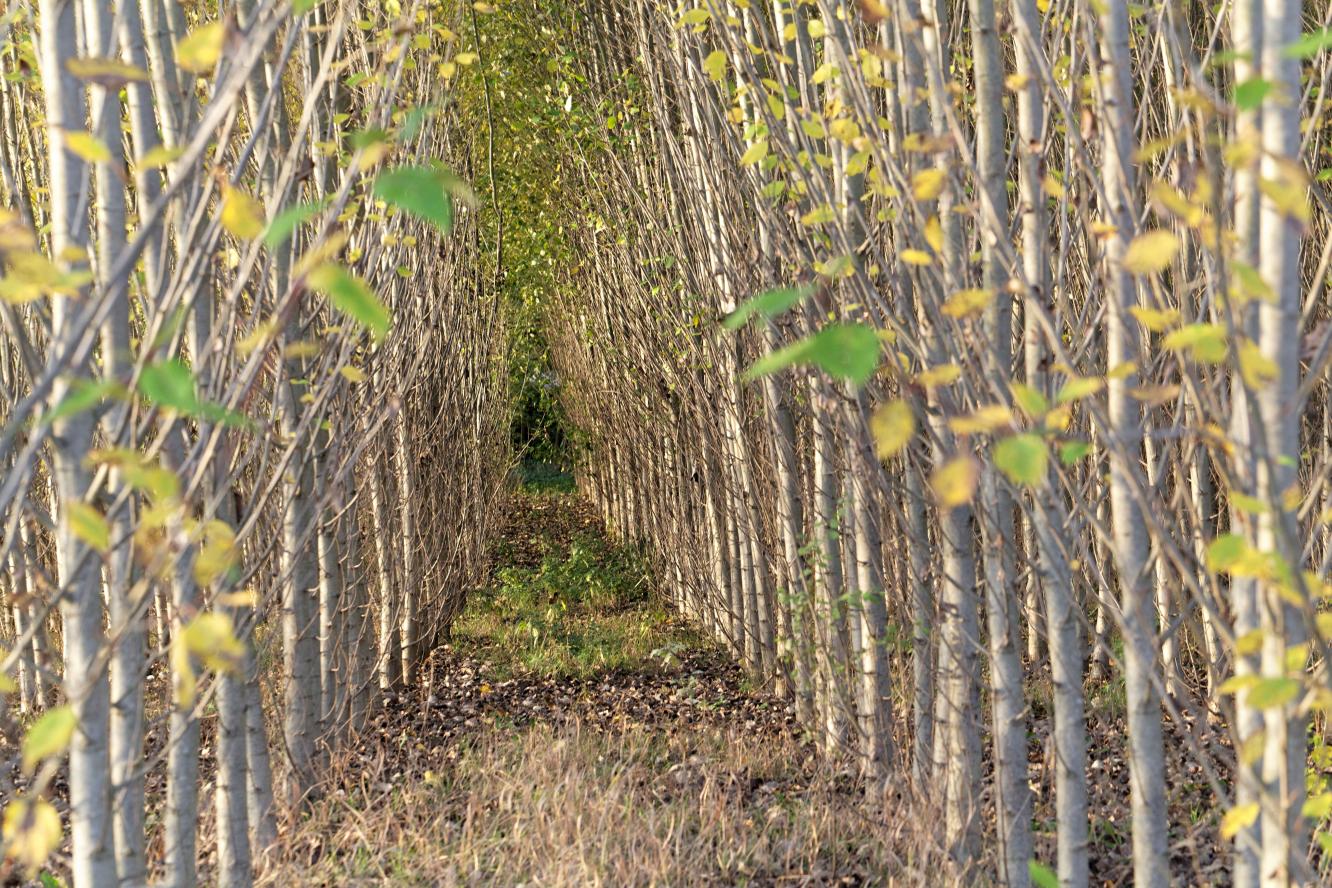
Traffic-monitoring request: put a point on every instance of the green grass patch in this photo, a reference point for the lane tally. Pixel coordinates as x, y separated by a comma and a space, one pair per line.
535, 477
586, 608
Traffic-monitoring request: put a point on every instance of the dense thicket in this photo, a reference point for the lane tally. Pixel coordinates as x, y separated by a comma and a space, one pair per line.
232, 320
958, 362
1028, 403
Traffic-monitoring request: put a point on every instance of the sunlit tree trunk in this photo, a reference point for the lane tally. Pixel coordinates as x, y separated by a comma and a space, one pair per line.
1146, 754
1050, 571
1281, 617
86, 687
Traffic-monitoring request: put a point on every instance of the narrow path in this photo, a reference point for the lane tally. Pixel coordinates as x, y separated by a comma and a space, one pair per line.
574, 733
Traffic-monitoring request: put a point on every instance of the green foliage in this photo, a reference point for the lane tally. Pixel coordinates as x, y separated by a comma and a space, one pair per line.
353, 297
421, 191
769, 304
1022, 458
171, 385
535, 476
537, 422
1042, 876
584, 609
845, 351
285, 223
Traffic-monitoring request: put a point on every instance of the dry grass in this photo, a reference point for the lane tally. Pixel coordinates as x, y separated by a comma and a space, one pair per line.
573, 806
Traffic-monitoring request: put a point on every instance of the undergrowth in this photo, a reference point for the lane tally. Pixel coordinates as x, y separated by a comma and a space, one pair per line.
579, 735
567, 805
585, 608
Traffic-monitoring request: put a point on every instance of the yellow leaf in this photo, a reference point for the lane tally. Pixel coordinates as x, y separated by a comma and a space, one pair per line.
243, 599
105, 72
844, 130
353, 374
217, 553
928, 184
892, 425
49, 736
1237, 818
916, 257
87, 146
954, 483
32, 276
715, 65
211, 639
934, 234
88, 525
695, 17
183, 680
937, 376
1288, 192
160, 156
1206, 343
1154, 319
200, 49
242, 214
755, 153
1079, 388
818, 216
1151, 253
983, 421
32, 832
966, 303
1257, 368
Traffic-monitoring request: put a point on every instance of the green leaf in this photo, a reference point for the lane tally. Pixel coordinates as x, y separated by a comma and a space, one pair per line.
1269, 693
285, 223
83, 394
1042, 876
1022, 458
1309, 45
1225, 552
1318, 807
845, 351
353, 297
170, 384
424, 192
87, 146
49, 735
414, 120
1032, 402
88, 525
769, 304
1251, 93
1072, 451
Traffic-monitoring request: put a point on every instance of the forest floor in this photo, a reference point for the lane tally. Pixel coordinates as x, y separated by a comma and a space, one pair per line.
574, 732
